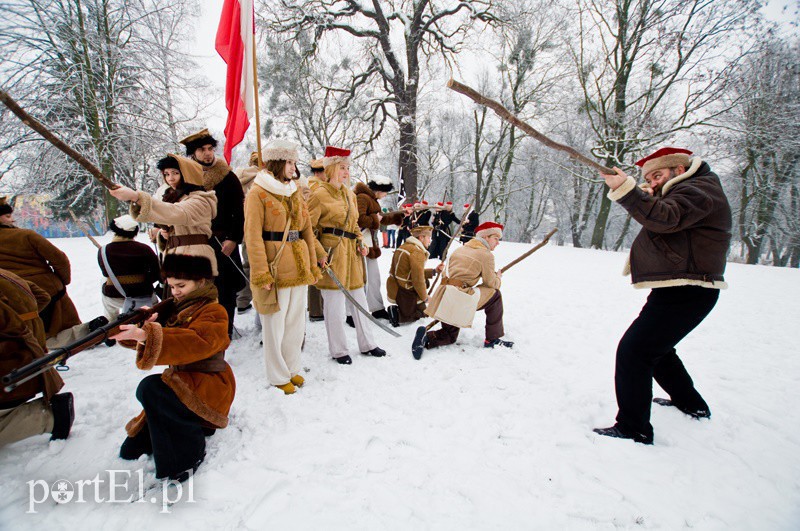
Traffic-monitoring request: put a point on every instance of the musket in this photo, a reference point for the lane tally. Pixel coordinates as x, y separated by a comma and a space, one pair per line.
81, 226
456, 234
419, 209
37, 126
509, 117
58, 357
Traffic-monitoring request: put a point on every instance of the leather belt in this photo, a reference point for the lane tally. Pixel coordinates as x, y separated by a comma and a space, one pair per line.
339, 232
275, 236
187, 239
457, 283
28, 316
127, 279
215, 363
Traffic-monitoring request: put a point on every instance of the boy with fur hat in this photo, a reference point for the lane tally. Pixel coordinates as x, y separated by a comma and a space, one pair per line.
192, 397
370, 221
468, 265
680, 255
131, 265
407, 285
227, 226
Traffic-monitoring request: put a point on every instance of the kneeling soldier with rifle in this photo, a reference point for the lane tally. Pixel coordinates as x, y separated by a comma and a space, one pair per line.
407, 284
192, 398
22, 341
458, 297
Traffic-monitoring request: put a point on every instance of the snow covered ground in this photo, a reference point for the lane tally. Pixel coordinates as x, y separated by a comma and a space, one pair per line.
465, 438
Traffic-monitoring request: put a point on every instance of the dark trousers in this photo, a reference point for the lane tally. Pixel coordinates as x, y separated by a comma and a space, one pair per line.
229, 281
647, 351
409, 307
173, 434
391, 239
438, 243
314, 302
494, 324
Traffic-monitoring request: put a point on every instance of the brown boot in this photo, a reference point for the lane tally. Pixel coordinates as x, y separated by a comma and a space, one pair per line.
298, 380
287, 388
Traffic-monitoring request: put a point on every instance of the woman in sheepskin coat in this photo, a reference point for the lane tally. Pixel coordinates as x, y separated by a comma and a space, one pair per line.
334, 215
280, 268
192, 397
184, 211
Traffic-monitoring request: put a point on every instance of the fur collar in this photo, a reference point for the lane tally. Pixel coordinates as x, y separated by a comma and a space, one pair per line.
413, 241
268, 182
362, 188
693, 167
478, 243
213, 175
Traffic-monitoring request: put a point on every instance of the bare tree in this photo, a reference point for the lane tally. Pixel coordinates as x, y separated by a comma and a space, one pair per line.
651, 68
429, 29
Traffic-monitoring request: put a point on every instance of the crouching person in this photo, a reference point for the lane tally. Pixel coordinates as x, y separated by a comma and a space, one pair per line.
458, 297
190, 399
407, 284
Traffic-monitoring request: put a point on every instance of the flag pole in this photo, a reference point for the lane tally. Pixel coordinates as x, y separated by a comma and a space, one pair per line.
255, 96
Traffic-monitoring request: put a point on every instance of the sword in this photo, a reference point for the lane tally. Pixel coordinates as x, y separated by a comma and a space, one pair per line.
357, 306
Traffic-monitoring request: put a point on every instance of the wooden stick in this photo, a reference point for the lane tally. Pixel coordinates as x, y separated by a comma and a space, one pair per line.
37, 126
528, 253
83, 228
506, 115
255, 95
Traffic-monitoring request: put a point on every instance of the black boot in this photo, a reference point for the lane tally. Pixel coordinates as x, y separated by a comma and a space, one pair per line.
63, 408
497, 343
377, 352
344, 360
381, 314
698, 414
394, 315
350, 322
316, 318
618, 433
420, 342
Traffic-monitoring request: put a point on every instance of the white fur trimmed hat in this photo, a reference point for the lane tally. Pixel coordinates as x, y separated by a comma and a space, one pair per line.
281, 149
380, 183
487, 228
126, 222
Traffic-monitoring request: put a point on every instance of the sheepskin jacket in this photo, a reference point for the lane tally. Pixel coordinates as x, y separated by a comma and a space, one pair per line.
686, 230
408, 270
368, 222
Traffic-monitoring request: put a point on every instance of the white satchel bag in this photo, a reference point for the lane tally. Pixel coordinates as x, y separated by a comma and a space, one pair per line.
457, 307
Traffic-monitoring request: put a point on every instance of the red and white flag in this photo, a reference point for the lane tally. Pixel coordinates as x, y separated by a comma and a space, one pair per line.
235, 45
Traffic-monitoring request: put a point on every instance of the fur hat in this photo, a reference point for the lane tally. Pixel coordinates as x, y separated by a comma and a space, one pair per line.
187, 267
421, 229
487, 228
191, 171
316, 165
664, 158
334, 155
380, 183
280, 149
198, 140
5, 208
124, 226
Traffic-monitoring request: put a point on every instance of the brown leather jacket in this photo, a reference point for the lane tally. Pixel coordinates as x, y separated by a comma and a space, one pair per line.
686, 230
368, 210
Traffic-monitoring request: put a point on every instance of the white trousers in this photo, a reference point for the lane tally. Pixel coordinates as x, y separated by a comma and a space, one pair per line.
373, 287
282, 333
333, 309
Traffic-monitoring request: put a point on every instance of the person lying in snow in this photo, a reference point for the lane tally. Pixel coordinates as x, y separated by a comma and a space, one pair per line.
192, 398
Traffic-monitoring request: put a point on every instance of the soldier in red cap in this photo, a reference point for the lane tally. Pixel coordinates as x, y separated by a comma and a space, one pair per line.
459, 295
680, 256
441, 228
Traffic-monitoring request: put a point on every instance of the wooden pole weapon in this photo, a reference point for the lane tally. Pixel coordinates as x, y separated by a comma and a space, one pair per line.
255, 96
508, 116
37, 126
83, 228
528, 253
